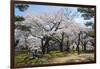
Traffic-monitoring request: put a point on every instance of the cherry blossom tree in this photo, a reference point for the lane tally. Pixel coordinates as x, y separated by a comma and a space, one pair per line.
40, 32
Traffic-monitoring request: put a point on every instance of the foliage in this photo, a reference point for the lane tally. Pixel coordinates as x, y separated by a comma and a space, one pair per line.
23, 27
92, 34
87, 14
19, 18
22, 7
88, 24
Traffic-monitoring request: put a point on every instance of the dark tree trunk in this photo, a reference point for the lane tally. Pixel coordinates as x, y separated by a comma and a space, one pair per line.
16, 43
77, 48
61, 44
45, 45
42, 46
57, 26
85, 47
26, 47
48, 48
68, 46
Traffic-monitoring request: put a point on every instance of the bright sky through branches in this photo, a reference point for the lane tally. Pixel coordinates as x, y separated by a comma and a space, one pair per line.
39, 9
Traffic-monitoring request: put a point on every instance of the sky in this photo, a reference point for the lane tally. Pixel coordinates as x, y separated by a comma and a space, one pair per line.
39, 9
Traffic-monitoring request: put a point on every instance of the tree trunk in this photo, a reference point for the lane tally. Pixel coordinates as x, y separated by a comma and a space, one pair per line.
61, 44
42, 46
84, 47
45, 45
68, 45
77, 48
48, 48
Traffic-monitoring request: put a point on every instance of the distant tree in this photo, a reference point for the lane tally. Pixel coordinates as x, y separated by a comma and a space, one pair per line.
84, 40
22, 7
78, 43
87, 14
88, 24
24, 30
19, 18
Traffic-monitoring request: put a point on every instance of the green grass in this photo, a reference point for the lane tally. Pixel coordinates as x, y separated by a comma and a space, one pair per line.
55, 54
23, 58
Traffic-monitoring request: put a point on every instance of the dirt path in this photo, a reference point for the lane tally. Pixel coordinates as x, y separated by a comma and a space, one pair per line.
74, 58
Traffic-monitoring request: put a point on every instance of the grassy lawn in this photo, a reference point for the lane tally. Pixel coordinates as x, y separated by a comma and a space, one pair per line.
24, 58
